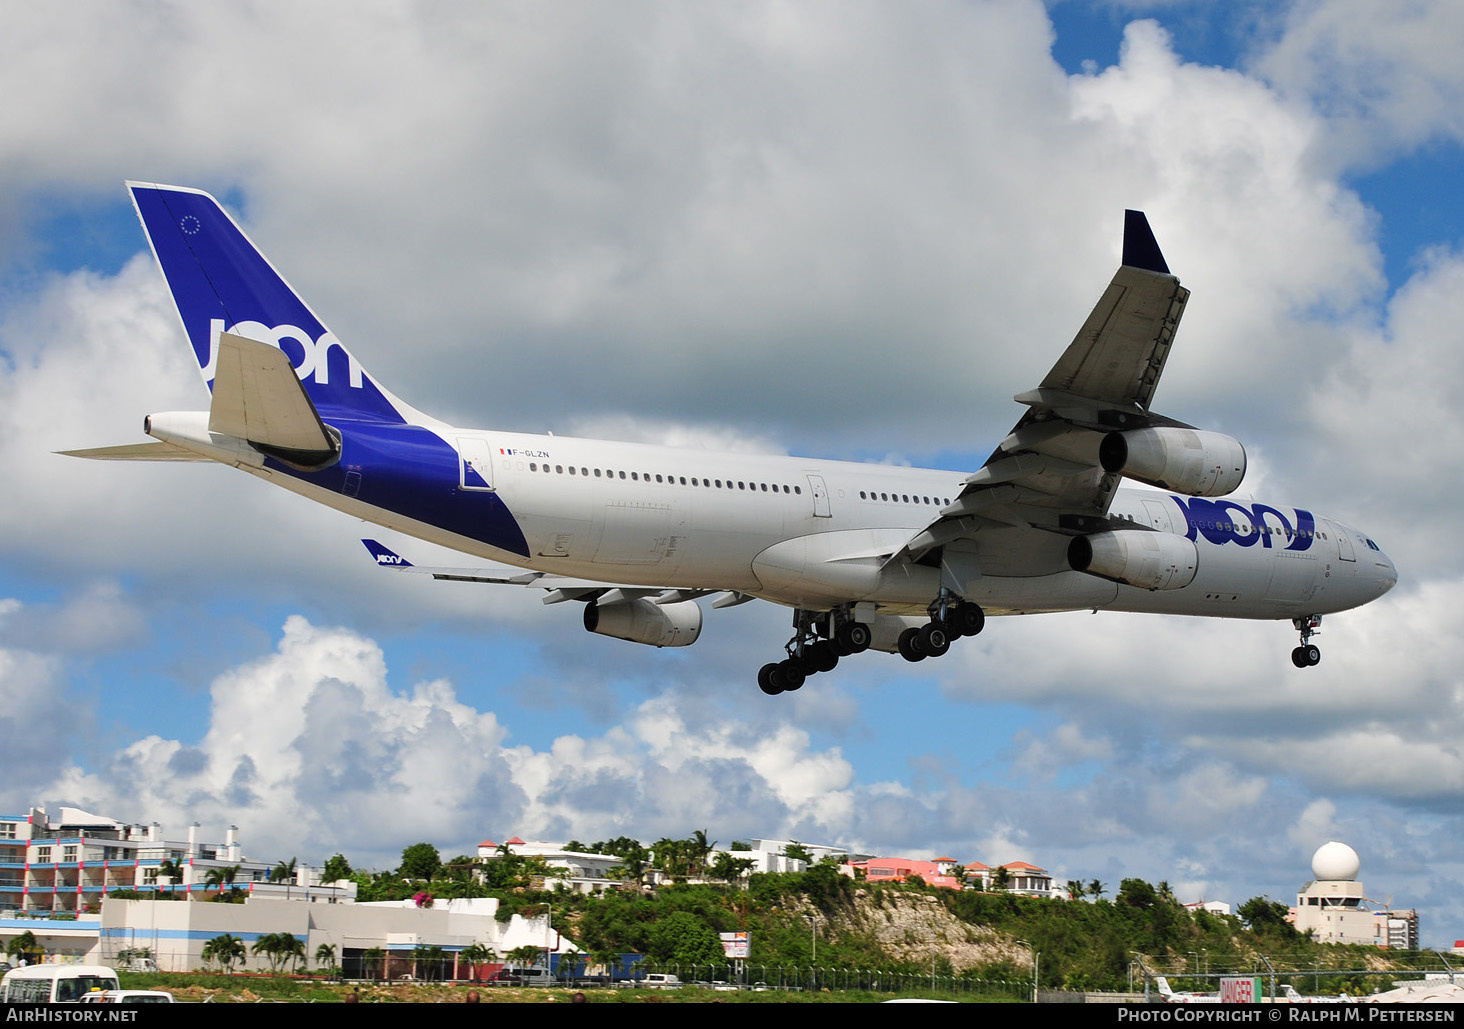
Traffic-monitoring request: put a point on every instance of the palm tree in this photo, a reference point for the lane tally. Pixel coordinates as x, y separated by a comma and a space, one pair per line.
374, 961
225, 949
1097, 889
280, 949
325, 955
701, 848
169, 871
1076, 890
25, 945
526, 956
476, 954
283, 872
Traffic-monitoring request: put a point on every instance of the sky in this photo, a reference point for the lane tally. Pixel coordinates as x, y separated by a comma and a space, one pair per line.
847, 230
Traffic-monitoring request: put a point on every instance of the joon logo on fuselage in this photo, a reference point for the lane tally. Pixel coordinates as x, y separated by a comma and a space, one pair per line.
1225, 521
310, 356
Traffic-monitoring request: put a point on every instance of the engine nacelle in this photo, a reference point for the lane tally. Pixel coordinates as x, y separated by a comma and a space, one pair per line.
1148, 560
644, 621
1191, 461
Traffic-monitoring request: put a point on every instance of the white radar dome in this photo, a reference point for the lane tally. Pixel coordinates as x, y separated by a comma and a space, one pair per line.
1335, 861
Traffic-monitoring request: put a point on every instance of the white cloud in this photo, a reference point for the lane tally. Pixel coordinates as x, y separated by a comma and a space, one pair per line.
1386, 78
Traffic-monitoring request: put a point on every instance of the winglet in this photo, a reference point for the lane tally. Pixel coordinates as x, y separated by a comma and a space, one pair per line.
385, 556
1140, 248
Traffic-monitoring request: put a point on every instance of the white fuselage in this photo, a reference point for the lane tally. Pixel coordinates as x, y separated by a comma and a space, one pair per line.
813, 534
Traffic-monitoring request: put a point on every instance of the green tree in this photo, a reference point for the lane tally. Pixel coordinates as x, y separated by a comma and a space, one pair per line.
279, 949
170, 872
684, 939
420, 861
1097, 889
728, 868
798, 852
373, 960
325, 956
225, 950
218, 878
1268, 918
1136, 893
526, 956
284, 872
475, 954
25, 946
336, 868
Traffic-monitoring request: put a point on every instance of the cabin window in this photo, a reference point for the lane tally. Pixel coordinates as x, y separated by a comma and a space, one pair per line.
571, 469
559, 468
533, 466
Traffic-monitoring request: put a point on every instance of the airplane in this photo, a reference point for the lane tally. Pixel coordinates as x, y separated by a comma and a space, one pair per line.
867, 556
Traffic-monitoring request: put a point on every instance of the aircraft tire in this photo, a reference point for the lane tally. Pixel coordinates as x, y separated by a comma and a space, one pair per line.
934, 640
853, 638
909, 645
823, 656
765, 680
1299, 658
792, 675
1313, 654
970, 619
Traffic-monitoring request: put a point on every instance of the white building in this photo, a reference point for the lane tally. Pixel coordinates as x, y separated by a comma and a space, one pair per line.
1334, 909
67, 864
368, 940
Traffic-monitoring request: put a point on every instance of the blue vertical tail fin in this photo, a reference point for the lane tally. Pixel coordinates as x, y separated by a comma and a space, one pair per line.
221, 283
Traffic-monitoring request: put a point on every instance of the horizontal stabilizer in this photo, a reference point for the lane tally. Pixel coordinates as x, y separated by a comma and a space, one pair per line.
152, 451
563, 586
257, 396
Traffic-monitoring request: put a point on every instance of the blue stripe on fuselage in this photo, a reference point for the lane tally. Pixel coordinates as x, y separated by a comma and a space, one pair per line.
410, 471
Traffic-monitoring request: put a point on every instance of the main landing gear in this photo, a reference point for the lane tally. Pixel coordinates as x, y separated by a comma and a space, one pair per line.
810, 653
1308, 653
950, 619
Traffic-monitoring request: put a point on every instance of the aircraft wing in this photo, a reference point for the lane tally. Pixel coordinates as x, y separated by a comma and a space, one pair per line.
560, 587
1046, 473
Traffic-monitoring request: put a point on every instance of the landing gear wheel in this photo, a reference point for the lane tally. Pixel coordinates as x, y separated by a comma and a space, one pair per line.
934, 640
791, 674
852, 638
820, 657
1306, 656
910, 647
768, 679
969, 618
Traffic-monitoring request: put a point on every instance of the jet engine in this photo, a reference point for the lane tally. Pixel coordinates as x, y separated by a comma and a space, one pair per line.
1191, 461
644, 621
1149, 560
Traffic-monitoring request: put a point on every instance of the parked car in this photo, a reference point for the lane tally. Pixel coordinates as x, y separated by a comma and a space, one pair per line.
129, 997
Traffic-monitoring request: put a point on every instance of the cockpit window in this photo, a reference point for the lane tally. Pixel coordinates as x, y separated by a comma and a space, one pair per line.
1373, 546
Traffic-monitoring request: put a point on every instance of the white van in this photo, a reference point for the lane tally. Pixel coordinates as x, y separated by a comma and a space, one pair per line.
55, 984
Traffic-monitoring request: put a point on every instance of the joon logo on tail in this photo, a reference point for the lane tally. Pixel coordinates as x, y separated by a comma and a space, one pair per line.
1225, 521
311, 357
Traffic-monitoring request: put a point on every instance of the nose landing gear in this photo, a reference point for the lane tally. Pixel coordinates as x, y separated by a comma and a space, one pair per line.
1308, 653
